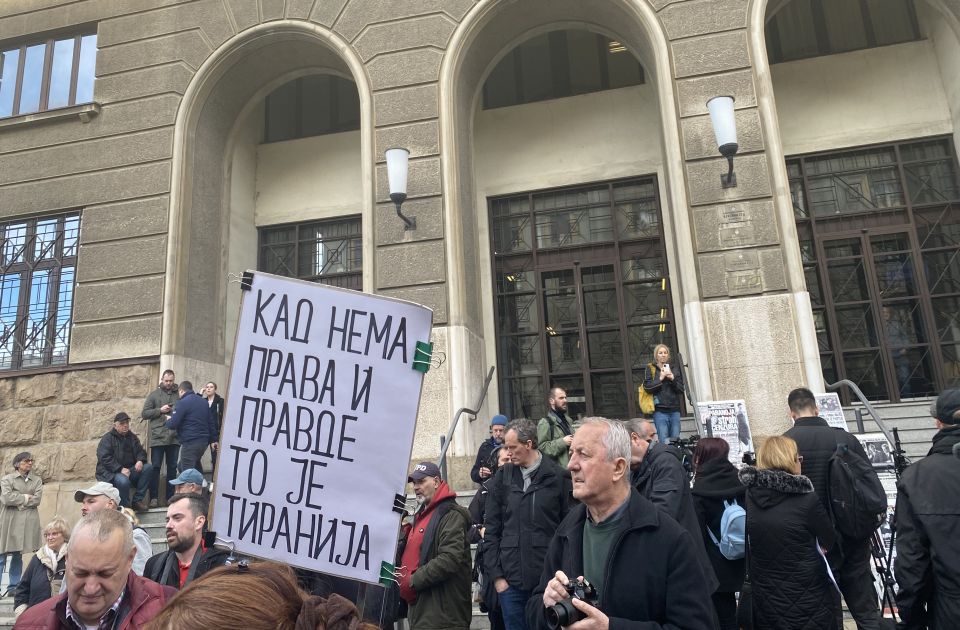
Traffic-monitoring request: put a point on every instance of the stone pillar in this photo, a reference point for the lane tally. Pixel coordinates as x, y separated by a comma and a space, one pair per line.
751, 286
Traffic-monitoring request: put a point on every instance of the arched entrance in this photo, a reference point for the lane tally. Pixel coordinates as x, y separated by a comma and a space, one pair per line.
872, 175
489, 34
214, 218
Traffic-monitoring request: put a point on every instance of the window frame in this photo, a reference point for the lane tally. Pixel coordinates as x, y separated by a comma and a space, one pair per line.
26, 268
350, 279
49, 43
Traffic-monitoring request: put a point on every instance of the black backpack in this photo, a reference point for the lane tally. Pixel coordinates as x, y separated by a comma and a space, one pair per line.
858, 502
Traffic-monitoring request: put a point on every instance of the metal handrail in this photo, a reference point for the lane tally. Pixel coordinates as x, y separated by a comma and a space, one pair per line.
866, 404
692, 398
441, 461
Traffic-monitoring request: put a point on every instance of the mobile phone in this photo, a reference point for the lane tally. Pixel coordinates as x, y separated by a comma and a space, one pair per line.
666, 367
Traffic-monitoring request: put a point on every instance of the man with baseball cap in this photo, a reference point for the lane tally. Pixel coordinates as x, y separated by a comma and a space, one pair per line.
190, 481
482, 468
435, 561
927, 567
122, 461
103, 496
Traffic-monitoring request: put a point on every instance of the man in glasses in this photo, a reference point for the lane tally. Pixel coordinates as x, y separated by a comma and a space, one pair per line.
816, 442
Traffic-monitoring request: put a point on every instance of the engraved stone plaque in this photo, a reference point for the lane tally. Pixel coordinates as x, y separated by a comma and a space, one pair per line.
741, 261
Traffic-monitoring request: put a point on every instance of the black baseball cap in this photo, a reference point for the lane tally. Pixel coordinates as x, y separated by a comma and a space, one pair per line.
948, 403
424, 469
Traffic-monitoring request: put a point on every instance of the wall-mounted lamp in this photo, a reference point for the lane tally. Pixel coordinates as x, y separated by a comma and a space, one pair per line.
725, 129
397, 161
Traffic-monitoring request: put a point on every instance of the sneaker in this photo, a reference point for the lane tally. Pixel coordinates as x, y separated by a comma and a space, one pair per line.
154, 503
140, 506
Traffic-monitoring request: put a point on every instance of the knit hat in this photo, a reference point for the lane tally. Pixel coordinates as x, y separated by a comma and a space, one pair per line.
948, 403
499, 419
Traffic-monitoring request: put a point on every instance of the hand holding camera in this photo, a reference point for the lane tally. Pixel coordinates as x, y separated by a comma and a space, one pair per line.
572, 602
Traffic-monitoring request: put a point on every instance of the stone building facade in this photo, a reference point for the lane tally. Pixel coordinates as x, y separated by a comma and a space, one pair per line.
184, 168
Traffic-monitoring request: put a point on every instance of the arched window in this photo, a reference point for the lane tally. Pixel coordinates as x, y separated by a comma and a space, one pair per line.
799, 29
559, 64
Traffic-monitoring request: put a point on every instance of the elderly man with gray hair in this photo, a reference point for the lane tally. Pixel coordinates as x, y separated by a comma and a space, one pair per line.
640, 561
102, 591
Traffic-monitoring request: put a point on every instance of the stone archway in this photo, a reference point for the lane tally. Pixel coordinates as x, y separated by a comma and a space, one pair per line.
241, 71
486, 34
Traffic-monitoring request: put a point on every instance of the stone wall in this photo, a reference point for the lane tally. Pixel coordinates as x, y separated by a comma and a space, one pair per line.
60, 416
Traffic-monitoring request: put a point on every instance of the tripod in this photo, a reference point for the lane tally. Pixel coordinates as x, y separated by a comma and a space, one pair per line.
883, 558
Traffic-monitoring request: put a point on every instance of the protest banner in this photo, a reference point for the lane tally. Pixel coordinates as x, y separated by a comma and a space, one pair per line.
318, 427
727, 420
831, 411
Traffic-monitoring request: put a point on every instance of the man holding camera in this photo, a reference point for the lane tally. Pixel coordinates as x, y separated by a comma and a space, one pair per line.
640, 561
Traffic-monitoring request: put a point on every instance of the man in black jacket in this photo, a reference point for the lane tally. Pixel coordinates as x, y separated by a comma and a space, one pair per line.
188, 557
658, 475
482, 467
527, 500
928, 524
816, 442
122, 461
640, 561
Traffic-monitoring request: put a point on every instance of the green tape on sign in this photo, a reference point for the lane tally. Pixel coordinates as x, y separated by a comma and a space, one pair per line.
422, 356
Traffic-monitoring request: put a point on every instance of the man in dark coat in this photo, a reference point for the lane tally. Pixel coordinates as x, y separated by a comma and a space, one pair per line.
527, 501
163, 442
482, 468
188, 557
435, 563
928, 528
658, 475
816, 442
122, 461
195, 426
640, 561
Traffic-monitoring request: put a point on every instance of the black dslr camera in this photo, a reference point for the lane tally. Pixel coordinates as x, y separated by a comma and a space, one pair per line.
563, 612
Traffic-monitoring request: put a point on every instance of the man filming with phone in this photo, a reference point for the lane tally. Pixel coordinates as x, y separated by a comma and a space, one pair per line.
640, 562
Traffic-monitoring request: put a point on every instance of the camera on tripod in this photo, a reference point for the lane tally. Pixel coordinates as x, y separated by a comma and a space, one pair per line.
563, 613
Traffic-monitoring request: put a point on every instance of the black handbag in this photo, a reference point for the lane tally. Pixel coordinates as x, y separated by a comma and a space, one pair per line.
745, 605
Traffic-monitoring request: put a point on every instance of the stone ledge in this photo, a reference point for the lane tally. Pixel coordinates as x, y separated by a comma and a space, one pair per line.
85, 113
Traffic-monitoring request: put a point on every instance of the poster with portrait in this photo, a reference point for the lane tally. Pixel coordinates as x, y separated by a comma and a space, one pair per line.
878, 449
831, 411
727, 420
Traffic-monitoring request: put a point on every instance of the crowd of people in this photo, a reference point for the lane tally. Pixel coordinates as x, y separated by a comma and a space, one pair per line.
588, 523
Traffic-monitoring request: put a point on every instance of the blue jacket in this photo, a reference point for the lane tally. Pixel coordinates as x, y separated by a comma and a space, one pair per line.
192, 420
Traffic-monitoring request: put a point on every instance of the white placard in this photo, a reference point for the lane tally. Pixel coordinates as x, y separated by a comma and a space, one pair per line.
728, 421
831, 411
318, 427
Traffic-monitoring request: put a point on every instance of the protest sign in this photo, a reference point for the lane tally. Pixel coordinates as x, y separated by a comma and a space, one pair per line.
831, 411
727, 420
319, 424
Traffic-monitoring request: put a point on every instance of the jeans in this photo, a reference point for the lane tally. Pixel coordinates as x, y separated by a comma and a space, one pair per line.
143, 481
16, 567
513, 603
668, 425
158, 454
190, 454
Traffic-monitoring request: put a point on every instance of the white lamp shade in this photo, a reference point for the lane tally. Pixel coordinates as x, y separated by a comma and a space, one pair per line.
397, 160
723, 120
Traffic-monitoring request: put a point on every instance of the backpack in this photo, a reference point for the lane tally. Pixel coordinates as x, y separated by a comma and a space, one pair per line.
733, 531
857, 500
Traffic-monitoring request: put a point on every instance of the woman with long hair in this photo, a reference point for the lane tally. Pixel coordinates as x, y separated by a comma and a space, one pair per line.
716, 485
664, 380
788, 531
255, 596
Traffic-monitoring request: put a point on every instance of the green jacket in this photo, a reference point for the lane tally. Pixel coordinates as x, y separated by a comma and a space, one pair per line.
443, 582
159, 434
550, 439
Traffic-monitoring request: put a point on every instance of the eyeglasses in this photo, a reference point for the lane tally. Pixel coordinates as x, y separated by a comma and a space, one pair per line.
28, 461
51, 534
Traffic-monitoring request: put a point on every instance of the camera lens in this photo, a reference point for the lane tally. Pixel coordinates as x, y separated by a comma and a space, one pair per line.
561, 614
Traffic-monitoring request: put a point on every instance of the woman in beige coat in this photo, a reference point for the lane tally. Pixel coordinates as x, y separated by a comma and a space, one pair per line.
19, 519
